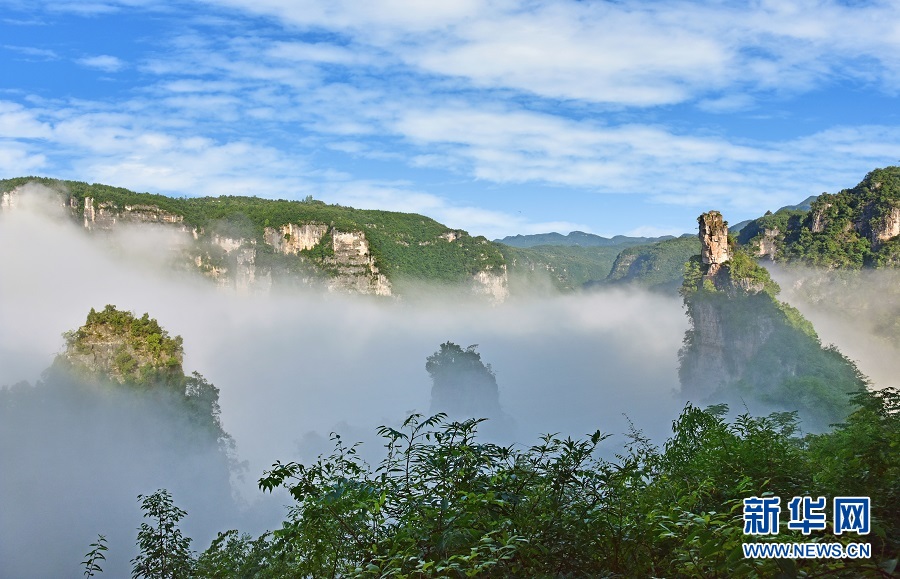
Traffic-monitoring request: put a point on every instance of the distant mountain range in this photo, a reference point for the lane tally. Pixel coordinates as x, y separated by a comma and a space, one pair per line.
579, 238
804, 205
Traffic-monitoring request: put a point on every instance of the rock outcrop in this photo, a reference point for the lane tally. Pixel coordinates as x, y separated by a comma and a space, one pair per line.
492, 283
746, 347
767, 245
354, 265
885, 227
292, 238
464, 387
105, 215
714, 249
817, 218
9, 199
116, 345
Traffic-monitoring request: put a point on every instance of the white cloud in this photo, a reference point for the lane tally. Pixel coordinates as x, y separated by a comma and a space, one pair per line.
482, 93
629, 53
103, 62
15, 161
32, 51
726, 104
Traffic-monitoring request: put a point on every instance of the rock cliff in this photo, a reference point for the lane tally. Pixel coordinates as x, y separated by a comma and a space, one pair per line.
746, 347
116, 345
852, 229
253, 244
714, 247
354, 266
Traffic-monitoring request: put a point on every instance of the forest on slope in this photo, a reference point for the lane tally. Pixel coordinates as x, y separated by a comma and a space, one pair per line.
404, 245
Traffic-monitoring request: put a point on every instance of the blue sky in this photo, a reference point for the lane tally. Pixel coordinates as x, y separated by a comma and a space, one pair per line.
499, 117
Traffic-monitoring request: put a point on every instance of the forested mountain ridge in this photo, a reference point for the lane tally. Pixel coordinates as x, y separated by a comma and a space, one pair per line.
253, 242
657, 266
852, 229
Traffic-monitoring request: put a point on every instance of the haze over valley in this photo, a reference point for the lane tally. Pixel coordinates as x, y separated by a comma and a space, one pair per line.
471, 289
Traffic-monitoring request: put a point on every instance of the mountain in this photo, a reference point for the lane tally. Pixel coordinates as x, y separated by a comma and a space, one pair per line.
113, 416
746, 347
579, 238
658, 266
252, 243
852, 229
802, 206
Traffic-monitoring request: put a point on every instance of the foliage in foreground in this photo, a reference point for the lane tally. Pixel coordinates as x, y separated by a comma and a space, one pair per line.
443, 504
164, 551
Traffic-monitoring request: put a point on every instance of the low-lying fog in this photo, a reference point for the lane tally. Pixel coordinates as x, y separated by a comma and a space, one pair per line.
291, 368
859, 312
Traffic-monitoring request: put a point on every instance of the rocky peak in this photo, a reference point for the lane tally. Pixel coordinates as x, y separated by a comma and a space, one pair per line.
714, 249
122, 348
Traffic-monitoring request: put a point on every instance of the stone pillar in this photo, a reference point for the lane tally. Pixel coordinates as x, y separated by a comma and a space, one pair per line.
714, 250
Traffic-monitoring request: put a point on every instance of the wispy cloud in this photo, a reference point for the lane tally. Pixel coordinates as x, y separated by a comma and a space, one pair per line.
624, 53
388, 102
103, 62
34, 52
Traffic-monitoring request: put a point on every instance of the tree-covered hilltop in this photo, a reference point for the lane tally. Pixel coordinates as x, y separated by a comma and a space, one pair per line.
442, 503
745, 345
116, 345
403, 245
113, 414
118, 349
852, 229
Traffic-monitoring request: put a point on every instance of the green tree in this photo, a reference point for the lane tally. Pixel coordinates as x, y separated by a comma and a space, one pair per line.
94, 556
462, 385
164, 551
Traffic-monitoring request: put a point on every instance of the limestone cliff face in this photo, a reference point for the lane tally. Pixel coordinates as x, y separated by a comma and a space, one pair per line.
492, 283
767, 245
714, 249
885, 227
818, 219
354, 265
9, 199
105, 215
746, 347
293, 238
234, 264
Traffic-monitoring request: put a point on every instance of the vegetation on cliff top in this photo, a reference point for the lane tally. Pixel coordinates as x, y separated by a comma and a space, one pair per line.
840, 230
404, 245
117, 347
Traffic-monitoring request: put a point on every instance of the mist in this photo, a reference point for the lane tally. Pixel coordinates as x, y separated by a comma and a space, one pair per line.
859, 312
292, 366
